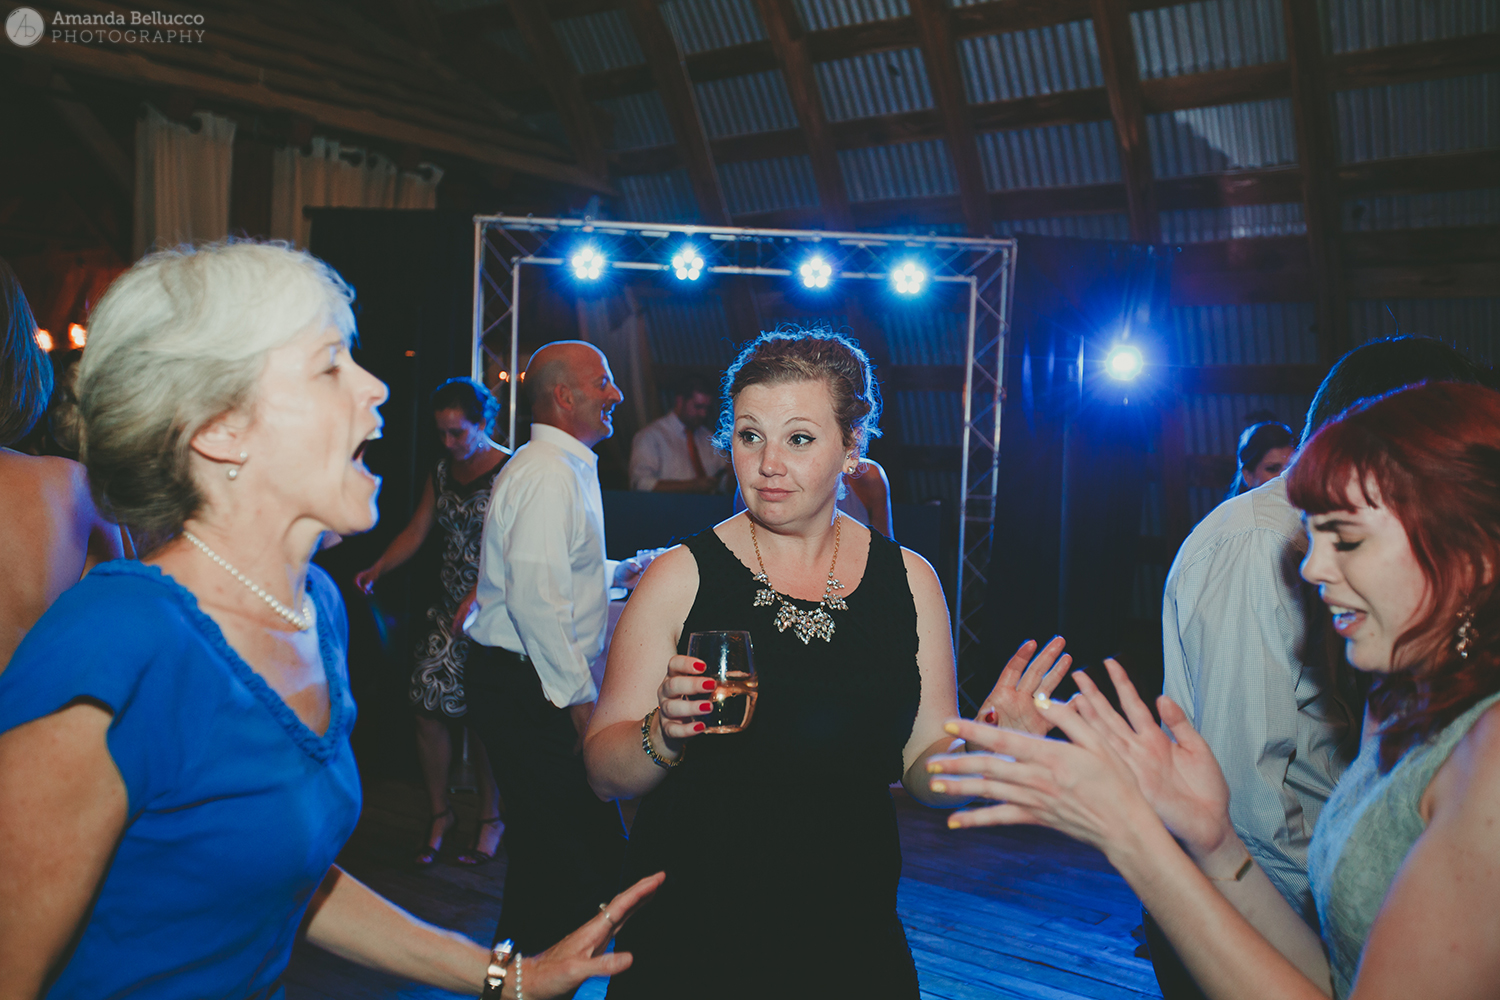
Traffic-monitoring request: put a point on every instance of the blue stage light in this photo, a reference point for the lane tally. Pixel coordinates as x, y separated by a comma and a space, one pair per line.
687, 265
588, 264
908, 278
815, 272
1124, 362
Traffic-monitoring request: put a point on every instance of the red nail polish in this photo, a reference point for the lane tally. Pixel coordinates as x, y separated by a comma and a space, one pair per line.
706, 707
989, 716
700, 667
709, 685
698, 727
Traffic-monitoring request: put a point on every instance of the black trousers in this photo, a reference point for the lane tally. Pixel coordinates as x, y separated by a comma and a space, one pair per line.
1171, 975
563, 846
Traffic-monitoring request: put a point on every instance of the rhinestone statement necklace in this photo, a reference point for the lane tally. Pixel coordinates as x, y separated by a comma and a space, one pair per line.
806, 624
302, 621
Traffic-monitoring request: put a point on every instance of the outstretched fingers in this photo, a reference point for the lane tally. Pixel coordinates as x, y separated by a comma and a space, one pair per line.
1178, 724
1094, 707
1130, 700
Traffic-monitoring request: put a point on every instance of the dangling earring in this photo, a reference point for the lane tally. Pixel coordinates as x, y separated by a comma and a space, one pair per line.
1464, 640
234, 470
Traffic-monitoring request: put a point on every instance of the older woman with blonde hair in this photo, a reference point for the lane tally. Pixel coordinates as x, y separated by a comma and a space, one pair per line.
175, 770
792, 877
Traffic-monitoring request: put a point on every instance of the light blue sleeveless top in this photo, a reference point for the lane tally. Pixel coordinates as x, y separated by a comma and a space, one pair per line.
1363, 836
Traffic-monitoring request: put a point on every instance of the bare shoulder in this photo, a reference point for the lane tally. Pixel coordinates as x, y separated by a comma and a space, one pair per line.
918, 570
672, 578
1466, 788
43, 470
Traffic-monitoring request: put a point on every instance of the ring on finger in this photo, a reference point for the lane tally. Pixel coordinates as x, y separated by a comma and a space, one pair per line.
604, 909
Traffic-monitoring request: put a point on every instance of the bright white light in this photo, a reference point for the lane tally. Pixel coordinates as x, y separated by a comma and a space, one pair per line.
687, 265
78, 335
1124, 362
816, 273
588, 264
908, 278
44, 340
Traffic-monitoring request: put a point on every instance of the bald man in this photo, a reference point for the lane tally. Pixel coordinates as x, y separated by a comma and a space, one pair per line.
542, 607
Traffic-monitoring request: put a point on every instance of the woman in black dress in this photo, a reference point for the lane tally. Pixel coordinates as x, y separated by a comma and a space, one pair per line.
780, 842
455, 498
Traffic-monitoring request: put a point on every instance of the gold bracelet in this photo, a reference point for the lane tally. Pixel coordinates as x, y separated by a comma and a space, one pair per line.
650, 749
1239, 876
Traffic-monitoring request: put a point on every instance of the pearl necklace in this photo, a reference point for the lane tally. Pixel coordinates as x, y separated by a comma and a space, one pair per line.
806, 624
302, 621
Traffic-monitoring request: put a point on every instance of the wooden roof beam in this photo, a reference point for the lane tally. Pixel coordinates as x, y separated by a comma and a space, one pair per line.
664, 56
788, 41
1312, 111
940, 54
556, 70
1122, 81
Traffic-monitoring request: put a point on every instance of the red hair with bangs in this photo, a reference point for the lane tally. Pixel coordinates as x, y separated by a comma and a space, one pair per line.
1430, 454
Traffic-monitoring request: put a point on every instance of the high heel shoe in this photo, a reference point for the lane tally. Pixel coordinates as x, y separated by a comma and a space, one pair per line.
428, 854
475, 857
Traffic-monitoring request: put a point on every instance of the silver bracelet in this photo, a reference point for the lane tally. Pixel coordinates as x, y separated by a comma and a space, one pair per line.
518, 977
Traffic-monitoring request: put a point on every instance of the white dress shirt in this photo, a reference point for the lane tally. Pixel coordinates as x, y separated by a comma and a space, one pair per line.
1249, 657
543, 578
659, 451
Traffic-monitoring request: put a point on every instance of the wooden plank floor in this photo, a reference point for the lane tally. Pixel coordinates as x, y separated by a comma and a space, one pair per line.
1018, 913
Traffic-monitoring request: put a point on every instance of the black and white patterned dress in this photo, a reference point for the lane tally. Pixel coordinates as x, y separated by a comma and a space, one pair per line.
437, 680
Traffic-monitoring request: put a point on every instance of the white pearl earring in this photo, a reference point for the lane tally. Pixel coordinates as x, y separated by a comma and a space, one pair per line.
234, 470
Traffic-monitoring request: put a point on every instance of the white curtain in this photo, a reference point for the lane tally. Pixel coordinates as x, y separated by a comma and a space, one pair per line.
181, 180
337, 176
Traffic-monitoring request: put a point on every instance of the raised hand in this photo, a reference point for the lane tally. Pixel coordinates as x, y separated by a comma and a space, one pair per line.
1179, 776
1011, 704
365, 579
561, 969
1081, 788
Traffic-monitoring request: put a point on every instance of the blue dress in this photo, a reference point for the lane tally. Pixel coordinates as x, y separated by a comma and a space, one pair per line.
236, 809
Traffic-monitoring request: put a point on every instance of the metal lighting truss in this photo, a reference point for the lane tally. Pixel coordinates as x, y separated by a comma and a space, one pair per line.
504, 244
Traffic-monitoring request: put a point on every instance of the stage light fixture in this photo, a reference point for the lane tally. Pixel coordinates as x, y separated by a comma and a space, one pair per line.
815, 272
1124, 362
909, 278
688, 264
588, 264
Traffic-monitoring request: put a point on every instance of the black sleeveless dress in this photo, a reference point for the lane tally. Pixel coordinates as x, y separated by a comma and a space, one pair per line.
780, 843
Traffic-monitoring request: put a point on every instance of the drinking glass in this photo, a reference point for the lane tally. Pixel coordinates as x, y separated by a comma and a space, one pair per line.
730, 662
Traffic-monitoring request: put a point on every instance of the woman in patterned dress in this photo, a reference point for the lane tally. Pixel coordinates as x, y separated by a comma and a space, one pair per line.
455, 498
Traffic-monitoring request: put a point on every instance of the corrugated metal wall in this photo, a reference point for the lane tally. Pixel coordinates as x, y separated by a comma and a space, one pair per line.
752, 186
1268, 333
909, 170
704, 25
1232, 222
1471, 325
741, 105
1411, 119
1419, 211
879, 83
664, 197
1110, 226
819, 15
1207, 36
1374, 24
925, 336
1024, 63
689, 331
599, 42
1212, 426
1227, 137
1054, 156
639, 121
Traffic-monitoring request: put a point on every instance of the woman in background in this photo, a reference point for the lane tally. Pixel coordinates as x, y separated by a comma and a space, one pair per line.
1263, 452
50, 532
455, 497
1401, 497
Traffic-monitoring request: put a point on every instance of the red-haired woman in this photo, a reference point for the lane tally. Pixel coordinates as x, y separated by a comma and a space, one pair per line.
1402, 502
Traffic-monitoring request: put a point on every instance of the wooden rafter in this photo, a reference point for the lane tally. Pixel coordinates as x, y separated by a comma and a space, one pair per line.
788, 43
1312, 113
664, 56
552, 64
1122, 82
945, 76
